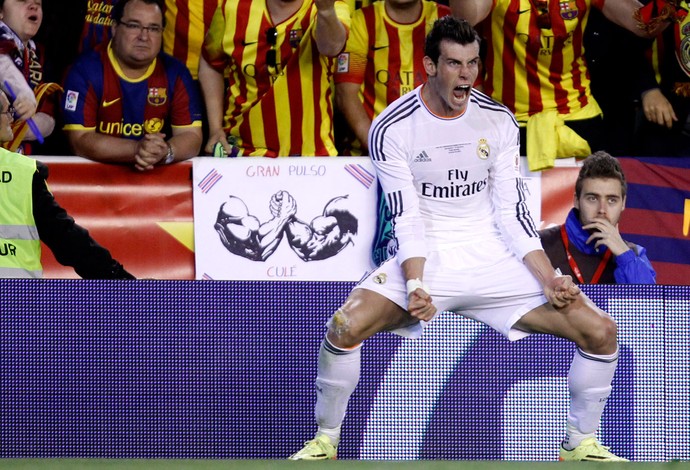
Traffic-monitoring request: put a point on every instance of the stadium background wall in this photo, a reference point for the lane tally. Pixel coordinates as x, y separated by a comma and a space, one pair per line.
225, 370
147, 221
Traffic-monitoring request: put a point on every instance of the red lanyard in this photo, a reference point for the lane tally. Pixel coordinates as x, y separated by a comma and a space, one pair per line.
573, 264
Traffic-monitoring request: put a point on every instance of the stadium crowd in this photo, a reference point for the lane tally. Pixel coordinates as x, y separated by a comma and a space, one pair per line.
259, 59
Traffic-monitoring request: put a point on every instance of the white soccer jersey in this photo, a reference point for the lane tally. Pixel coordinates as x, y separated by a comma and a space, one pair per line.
451, 181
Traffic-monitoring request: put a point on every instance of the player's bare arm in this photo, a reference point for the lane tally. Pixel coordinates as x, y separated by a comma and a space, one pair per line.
347, 99
213, 89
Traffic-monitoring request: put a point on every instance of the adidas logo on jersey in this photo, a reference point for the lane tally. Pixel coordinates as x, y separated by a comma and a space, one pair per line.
422, 157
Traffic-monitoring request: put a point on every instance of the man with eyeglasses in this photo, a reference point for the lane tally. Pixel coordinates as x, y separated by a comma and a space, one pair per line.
535, 65
128, 102
280, 57
30, 215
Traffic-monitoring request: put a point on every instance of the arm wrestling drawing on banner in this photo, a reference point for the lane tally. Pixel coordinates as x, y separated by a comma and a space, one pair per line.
327, 234
242, 234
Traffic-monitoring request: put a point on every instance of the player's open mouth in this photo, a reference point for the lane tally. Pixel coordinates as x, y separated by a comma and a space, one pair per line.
461, 91
33, 18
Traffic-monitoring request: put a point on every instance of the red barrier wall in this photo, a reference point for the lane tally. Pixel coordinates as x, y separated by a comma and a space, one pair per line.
144, 219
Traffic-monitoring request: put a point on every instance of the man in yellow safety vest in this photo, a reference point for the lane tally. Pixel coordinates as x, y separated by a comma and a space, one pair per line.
29, 214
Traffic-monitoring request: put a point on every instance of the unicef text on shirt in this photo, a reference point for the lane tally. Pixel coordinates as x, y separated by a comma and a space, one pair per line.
121, 128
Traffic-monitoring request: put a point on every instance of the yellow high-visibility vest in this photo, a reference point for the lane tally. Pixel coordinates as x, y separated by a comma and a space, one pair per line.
20, 246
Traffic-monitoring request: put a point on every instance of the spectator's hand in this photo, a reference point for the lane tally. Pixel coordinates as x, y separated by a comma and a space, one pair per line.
605, 233
214, 138
151, 149
420, 306
24, 108
657, 109
561, 291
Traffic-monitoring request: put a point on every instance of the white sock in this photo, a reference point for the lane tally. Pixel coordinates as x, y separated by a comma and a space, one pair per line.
589, 380
337, 377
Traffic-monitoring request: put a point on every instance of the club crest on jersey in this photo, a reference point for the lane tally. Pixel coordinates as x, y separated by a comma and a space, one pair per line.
380, 278
483, 149
568, 9
157, 96
295, 37
153, 125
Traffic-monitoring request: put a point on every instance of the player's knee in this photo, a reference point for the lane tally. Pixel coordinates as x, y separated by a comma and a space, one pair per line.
339, 323
602, 337
340, 330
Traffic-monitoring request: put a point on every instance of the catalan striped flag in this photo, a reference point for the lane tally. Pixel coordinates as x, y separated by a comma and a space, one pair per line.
361, 174
209, 181
657, 214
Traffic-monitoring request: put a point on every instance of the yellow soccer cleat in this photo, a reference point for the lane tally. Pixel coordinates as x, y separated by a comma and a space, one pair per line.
589, 449
319, 448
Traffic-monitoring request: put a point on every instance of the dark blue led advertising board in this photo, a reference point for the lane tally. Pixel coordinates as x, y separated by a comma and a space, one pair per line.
225, 370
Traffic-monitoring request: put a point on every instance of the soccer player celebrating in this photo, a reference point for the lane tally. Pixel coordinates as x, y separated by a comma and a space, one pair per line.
447, 159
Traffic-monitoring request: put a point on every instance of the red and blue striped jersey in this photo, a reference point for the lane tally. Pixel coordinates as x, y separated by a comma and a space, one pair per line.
99, 97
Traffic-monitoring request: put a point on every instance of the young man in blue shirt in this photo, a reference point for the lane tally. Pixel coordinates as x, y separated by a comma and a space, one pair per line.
589, 246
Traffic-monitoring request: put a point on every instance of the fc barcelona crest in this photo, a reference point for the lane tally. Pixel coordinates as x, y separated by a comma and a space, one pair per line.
157, 96
568, 9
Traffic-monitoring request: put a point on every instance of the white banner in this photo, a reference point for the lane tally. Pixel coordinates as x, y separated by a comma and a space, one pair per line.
298, 219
